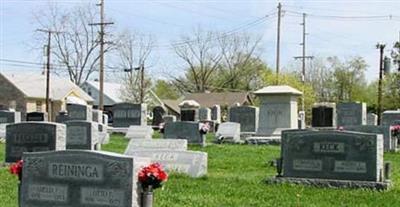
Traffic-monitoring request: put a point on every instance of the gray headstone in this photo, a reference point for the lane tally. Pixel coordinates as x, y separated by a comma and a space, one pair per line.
189, 114
97, 115
389, 142
158, 113
191, 163
80, 179
169, 118
33, 137
184, 130
216, 113
155, 144
324, 115
372, 119
82, 135
62, 117
204, 114
79, 112
127, 114
229, 131
351, 114
36, 116
10, 117
389, 117
247, 116
332, 155
139, 132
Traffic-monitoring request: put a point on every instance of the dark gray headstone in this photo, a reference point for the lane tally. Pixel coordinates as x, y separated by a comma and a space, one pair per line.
188, 115
323, 115
184, 130
389, 142
216, 113
158, 113
204, 114
33, 137
79, 112
82, 135
126, 114
80, 179
36, 116
389, 117
10, 117
247, 116
332, 155
62, 117
351, 114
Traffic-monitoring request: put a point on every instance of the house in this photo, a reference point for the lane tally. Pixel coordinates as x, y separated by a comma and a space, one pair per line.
27, 93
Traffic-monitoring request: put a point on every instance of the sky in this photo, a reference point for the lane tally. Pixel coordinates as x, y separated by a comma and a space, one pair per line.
343, 28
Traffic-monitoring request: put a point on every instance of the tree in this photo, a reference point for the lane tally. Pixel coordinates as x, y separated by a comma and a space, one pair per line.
166, 90
76, 43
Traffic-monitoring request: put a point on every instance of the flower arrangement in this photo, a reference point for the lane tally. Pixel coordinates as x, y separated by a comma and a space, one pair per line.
204, 128
395, 129
152, 177
16, 168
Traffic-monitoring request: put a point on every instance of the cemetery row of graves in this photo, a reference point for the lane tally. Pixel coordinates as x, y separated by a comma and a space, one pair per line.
73, 161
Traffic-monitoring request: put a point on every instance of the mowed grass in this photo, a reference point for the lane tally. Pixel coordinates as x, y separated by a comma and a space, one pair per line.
236, 175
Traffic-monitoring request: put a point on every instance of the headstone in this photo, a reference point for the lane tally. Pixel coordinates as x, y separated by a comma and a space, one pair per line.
97, 115
191, 163
204, 114
80, 179
127, 114
105, 119
36, 116
189, 110
104, 136
228, 131
302, 120
278, 110
351, 114
247, 116
389, 117
155, 144
158, 113
139, 132
323, 115
62, 117
10, 117
372, 119
79, 112
33, 137
216, 114
169, 118
389, 142
184, 130
82, 135
332, 155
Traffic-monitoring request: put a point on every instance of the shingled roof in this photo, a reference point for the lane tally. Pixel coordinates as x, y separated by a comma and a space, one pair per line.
223, 99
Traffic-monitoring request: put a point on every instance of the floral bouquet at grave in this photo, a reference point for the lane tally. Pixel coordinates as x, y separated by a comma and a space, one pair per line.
16, 169
152, 177
395, 130
204, 128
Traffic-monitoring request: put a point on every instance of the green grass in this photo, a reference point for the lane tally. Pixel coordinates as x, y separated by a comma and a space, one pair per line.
236, 175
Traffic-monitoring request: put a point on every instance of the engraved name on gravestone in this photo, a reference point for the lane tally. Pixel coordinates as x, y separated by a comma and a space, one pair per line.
36, 116
184, 130
82, 135
127, 114
79, 112
158, 113
332, 155
33, 137
79, 179
247, 116
139, 132
228, 131
390, 117
204, 114
351, 114
389, 142
155, 144
191, 163
324, 115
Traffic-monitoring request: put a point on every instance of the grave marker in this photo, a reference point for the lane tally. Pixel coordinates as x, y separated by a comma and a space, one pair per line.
372, 119
323, 115
389, 142
216, 113
82, 135
228, 131
36, 116
158, 113
79, 112
184, 130
247, 116
351, 114
390, 117
204, 114
155, 144
127, 114
139, 132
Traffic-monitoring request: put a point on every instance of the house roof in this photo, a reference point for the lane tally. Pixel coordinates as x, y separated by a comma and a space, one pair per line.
224, 98
172, 104
34, 86
112, 90
282, 89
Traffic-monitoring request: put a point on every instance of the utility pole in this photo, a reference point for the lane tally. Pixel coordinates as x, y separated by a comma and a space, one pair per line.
303, 58
141, 83
381, 48
278, 42
101, 71
48, 52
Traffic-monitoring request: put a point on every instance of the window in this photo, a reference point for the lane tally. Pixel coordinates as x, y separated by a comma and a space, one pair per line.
39, 106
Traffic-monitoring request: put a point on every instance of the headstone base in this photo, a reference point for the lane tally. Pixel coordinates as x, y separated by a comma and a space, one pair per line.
118, 130
272, 140
327, 183
244, 135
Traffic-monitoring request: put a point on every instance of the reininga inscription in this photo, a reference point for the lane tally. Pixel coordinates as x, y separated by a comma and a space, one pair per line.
76, 171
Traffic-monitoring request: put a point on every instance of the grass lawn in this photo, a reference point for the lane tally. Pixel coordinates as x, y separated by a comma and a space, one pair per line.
236, 175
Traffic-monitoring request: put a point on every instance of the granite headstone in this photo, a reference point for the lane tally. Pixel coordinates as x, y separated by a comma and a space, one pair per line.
139, 132
323, 115
228, 131
247, 116
127, 114
158, 113
184, 130
156, 144
372, 119
216, 113
79, 112
204, 114
82, 135
351, 114
36, 116
389, 142
389, 117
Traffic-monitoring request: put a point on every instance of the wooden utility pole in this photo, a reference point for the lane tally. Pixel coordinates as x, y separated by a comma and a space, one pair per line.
381, 48
278, 36
141, 83
101, 71
48, 53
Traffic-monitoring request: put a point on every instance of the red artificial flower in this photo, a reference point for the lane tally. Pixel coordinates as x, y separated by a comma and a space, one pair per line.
152, 175
16, 168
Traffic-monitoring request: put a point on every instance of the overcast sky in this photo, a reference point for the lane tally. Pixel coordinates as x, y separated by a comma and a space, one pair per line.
343, 28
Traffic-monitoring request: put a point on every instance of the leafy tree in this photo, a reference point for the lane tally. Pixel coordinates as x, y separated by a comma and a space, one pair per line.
166, 90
